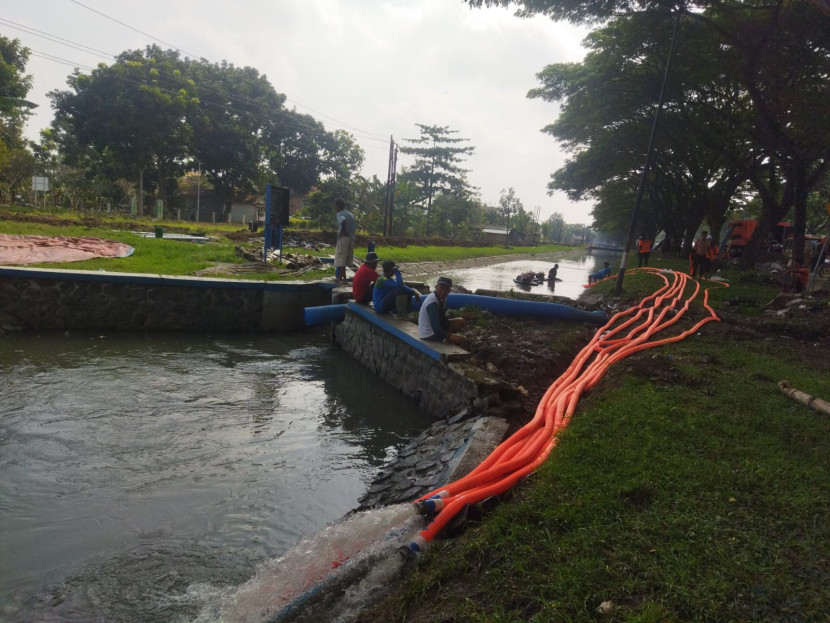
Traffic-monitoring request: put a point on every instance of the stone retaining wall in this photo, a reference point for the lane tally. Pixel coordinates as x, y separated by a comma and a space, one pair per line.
432, 384
41, 299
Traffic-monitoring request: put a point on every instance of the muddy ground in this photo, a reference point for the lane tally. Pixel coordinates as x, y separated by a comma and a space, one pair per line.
533, 352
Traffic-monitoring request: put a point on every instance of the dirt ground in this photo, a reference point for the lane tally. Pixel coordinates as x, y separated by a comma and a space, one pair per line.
533, 352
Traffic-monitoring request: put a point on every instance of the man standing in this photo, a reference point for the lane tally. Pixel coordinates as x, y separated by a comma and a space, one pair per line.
700, 256
643, 250
365, 278
344, 252
389, 286
433, 324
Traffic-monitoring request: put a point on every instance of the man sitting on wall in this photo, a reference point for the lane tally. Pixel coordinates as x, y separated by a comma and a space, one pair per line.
364, 279
433, 324
388, 287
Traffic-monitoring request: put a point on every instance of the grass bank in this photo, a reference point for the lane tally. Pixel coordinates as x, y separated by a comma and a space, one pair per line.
687, 488
173, 257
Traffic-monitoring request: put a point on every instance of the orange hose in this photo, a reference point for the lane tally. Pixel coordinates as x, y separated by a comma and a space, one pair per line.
527, 448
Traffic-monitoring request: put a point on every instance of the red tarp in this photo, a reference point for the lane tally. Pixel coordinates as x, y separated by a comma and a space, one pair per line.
37, 249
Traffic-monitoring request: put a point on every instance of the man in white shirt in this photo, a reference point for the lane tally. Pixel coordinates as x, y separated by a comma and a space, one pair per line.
344, 252
433, 324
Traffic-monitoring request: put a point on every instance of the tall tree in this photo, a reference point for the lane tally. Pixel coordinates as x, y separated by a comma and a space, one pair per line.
16, 161
777, 55
236, 111
438, 155
132, 110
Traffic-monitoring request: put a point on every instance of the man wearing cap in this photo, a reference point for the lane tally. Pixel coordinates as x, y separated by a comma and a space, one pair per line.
388, 286
433, 324
365, 278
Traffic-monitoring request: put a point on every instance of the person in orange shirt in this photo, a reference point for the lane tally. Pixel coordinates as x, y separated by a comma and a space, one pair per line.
712, 254
700, 256
643, 250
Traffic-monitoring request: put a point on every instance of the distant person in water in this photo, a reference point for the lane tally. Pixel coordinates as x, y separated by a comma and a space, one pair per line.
600, 274
552, 272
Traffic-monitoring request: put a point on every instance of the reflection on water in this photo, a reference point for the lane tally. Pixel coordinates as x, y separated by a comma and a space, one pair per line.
134, 468
573, 274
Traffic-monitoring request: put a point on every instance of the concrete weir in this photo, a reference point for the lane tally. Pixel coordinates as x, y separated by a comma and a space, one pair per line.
43, 299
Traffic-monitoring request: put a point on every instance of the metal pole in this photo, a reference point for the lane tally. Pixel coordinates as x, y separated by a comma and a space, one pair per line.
267, 246
649, 157
198, 191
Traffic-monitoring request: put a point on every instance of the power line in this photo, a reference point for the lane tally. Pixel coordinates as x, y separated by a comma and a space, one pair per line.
367, 135
141, 32
55, 38
373, 135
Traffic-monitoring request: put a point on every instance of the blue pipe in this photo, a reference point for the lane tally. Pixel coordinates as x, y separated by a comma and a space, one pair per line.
514, 307
323, 314
510, 307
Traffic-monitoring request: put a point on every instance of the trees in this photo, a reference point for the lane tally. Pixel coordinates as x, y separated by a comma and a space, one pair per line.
235, 115
438, 155
746, 103
16, 162
131, 112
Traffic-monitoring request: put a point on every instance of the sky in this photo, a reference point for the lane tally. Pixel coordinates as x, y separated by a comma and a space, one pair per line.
374, 68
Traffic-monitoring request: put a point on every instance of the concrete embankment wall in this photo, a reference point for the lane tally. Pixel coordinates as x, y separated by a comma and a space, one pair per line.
437, 376
32, 298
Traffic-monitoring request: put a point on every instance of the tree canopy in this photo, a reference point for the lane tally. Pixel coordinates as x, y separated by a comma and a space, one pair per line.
745, 111
437, 169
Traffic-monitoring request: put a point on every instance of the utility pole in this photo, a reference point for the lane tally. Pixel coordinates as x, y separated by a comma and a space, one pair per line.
198, 191
390, 187
649, 156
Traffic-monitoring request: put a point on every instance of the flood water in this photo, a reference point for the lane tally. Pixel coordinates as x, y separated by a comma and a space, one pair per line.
148, 477
573, 273
140, 474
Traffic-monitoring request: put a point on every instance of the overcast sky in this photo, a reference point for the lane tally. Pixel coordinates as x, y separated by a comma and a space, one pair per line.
372, 67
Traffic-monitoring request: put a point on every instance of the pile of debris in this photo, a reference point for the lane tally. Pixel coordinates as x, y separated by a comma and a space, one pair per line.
295, 262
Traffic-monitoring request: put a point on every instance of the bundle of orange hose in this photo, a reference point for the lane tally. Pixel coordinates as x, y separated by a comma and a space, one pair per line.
626, 333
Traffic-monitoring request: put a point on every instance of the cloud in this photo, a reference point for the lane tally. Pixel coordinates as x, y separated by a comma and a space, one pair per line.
372, 67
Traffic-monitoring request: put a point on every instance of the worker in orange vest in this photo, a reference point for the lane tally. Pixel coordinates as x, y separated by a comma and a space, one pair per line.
643, 250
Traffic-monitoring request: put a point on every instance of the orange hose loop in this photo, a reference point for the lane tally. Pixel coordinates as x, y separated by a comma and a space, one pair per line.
527, 448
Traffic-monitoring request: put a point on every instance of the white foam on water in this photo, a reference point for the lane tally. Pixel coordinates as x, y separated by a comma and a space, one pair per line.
285, 582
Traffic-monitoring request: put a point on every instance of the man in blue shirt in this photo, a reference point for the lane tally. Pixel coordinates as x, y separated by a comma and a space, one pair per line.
389, 286
600, 274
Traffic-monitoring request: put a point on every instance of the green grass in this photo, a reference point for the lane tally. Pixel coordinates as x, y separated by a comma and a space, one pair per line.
174, 257
738, 284
151, 255
687, 489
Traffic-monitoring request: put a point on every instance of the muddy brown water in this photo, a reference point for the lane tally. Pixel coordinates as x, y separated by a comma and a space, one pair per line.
144, 477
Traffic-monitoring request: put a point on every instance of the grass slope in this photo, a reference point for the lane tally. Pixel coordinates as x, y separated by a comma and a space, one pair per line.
687, 488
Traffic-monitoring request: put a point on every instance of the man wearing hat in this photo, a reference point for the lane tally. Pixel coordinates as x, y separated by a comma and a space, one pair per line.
433, 324
389, 286
365, 278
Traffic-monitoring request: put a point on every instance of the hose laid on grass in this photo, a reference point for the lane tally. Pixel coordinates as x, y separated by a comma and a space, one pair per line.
625, 334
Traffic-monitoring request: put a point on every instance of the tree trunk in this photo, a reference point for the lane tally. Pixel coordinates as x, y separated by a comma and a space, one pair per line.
799, 211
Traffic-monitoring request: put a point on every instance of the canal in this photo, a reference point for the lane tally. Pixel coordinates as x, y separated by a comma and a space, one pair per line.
143, 477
